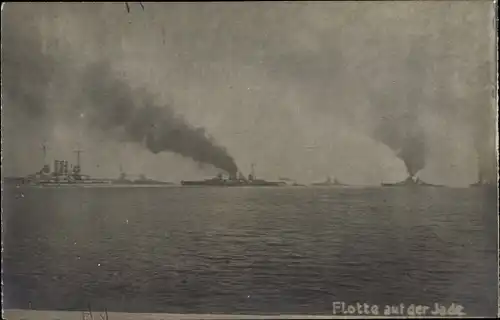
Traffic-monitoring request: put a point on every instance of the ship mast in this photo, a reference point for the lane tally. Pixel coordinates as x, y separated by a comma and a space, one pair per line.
44, 150
480, 178
123, 175
78, 153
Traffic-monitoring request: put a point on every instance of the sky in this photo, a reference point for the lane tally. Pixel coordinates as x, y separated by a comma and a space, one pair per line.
304, 90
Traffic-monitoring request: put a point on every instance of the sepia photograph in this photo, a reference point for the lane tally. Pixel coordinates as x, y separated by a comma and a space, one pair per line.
249, 160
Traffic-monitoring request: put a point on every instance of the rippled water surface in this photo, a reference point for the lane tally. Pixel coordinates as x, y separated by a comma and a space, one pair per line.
248, 250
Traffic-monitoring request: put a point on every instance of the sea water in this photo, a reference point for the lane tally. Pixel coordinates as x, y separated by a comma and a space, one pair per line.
248, 250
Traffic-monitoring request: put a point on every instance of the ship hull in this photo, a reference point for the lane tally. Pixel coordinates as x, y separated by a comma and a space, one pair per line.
482, 185
92, 184
66, 183
231, 184
53, 182
141, 183
412, 185
202, 183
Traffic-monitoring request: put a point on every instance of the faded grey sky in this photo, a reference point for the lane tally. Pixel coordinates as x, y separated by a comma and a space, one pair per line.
293, 87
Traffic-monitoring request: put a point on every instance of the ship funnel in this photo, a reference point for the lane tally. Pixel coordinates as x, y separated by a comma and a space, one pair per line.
251, 176
46, 169
56, 167
44, 149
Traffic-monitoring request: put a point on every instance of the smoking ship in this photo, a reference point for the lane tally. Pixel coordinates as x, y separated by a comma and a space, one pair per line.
411, 181
234, 180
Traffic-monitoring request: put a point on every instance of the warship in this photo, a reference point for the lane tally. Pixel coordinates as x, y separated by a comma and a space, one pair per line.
234, 180
62, 174
328, 182
66, 174
482, 182
410, 181
141, 180
290, 182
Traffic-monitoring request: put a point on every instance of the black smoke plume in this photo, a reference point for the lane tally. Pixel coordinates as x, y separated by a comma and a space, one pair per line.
405, 137
30, 73
401, 131
114, 105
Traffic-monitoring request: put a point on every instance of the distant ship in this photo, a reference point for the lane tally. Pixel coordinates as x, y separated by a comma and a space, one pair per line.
234, 181
290, 182
142, 180
482, 182
296, 184
329, 182
410, 182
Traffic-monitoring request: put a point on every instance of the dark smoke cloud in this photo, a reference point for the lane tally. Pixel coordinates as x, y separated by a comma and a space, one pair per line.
108, 103
406, 138
113, 105
401, 131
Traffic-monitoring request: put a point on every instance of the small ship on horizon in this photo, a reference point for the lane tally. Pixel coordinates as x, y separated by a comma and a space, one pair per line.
482, 182
329, 183
290, 182
141, 180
